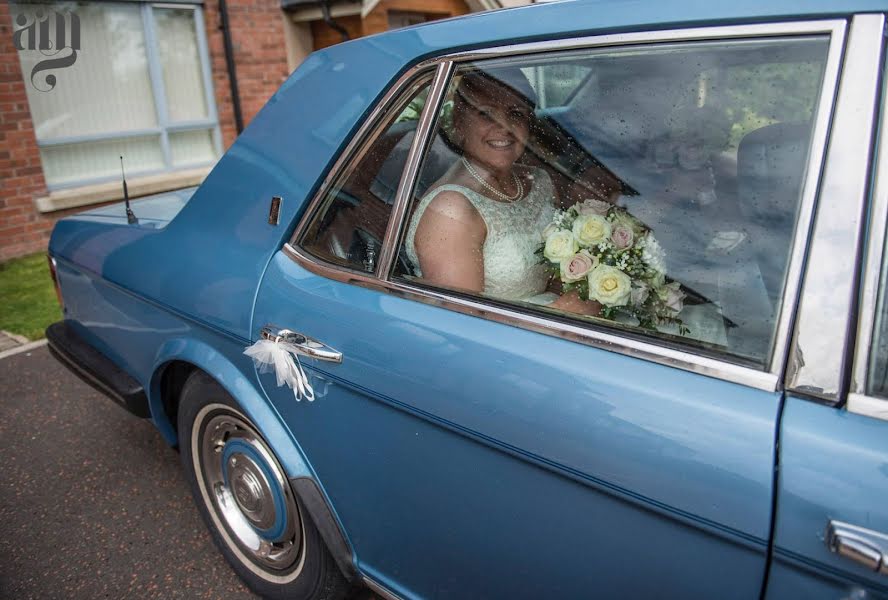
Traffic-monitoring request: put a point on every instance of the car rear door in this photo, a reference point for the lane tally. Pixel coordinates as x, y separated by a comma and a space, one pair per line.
831, 528
472, 447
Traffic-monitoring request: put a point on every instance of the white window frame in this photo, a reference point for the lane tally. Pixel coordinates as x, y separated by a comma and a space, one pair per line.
164, 125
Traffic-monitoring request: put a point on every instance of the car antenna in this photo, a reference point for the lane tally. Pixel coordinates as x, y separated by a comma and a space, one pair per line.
130, 215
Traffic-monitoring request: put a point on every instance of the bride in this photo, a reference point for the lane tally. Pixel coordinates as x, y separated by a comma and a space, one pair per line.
478, 227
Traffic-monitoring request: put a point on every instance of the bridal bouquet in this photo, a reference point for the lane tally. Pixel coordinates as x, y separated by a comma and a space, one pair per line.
607, 255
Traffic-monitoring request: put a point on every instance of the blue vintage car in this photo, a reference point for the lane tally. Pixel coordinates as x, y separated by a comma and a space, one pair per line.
478, 429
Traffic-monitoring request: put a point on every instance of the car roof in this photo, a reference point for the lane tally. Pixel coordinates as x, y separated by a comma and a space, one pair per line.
568, 18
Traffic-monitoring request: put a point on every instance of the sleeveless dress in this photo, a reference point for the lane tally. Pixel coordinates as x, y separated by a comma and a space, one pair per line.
514, 232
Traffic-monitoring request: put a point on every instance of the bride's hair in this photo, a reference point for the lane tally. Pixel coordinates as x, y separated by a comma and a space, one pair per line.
498, 80
492, 83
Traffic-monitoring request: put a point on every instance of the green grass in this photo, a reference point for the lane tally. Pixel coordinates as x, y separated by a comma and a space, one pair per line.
28, 301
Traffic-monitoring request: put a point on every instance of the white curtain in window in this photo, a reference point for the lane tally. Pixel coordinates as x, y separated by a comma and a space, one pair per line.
69, 163
192, 148
180, 61
107, 89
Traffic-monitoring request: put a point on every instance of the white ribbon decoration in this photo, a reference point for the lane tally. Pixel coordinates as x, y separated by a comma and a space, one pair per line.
272, 355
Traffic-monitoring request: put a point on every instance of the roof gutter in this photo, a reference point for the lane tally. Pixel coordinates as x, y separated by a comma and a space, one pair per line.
325, 10
229, 63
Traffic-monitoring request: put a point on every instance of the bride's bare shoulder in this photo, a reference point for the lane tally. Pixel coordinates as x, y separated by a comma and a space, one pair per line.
452, 204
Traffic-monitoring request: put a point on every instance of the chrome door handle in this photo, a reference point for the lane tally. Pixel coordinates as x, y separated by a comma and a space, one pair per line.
301, 344
864, 546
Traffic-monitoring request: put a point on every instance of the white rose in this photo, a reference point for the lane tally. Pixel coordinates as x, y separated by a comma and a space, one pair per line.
560, 244
577, 266
609, 285
652, 254
591, 229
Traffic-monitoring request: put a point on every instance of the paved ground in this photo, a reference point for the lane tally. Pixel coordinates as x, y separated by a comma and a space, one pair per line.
93, 504
10, 340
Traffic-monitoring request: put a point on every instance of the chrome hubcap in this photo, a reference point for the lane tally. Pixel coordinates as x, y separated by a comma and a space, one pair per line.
249, 492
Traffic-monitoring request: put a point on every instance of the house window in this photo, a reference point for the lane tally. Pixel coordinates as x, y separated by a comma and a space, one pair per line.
139, 87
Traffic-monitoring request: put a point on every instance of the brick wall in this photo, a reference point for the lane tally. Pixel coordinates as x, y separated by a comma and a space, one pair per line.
324, 35
260, 56
377, 20
22, 228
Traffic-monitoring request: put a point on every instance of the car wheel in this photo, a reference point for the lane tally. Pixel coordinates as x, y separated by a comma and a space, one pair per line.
246, 500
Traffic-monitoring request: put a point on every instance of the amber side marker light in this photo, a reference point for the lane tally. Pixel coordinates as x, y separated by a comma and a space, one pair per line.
55, 280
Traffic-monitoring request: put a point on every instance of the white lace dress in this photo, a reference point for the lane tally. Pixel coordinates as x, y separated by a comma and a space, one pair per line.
514, 232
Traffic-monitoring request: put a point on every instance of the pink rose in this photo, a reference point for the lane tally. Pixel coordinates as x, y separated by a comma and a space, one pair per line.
577, 266
622, 237
675, 300
591, 206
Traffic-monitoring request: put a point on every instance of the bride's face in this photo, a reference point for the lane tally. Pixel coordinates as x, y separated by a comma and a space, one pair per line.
495, 125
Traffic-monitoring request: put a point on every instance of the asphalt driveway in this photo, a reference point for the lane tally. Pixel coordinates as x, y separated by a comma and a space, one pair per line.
93, 503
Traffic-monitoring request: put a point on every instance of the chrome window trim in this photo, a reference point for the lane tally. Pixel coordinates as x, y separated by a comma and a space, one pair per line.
421, 142
541, 324
829, 294
810, 188
832, 27
369, 130
766, 380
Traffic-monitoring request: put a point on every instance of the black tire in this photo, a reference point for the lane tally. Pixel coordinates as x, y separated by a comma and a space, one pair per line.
214, 434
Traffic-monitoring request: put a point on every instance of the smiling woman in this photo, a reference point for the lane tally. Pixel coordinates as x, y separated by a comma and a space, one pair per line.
479, 225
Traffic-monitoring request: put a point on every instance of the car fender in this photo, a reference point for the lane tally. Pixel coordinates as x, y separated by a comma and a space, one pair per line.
238, 381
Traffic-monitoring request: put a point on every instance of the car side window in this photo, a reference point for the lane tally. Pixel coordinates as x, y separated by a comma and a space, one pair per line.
349, 226
658, 195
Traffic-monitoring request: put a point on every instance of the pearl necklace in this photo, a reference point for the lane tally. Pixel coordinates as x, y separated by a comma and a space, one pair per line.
492, 189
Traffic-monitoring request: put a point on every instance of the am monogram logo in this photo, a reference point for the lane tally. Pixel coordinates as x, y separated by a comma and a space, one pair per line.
33, 34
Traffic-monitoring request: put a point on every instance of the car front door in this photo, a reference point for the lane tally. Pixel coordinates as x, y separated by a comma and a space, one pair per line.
475, 446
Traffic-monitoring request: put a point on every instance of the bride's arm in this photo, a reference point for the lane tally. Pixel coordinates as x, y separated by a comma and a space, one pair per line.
449, 243
571, 301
